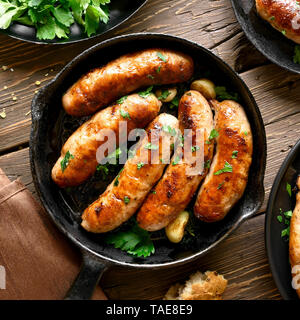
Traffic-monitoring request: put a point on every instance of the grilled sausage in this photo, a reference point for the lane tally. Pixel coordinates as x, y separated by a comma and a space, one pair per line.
177, 186
127, 192
82, 145
295, 240
282, 15
103, 85
222, 188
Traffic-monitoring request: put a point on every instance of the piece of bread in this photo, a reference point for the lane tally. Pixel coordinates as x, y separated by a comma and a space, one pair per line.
200, 286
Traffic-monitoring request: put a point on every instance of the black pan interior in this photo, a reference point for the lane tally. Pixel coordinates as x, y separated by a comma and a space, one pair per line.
51, 126
278, 247
120, 11
270, 42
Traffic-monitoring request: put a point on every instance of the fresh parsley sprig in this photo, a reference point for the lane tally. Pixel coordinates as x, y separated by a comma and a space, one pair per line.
135, 241
53, 18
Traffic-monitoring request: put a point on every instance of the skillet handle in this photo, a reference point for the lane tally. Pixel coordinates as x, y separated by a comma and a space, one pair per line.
90, 273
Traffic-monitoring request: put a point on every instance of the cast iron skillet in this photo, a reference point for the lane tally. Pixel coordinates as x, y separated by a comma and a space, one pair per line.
48, 117
270, 42
120, 11
277, 247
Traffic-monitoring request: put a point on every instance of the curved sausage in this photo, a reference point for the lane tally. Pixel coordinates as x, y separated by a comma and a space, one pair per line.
103, 85
127, 192
82, 145
282, 15
176, 188
228, 175
295, 239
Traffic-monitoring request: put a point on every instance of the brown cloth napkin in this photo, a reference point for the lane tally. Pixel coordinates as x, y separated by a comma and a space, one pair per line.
39, 262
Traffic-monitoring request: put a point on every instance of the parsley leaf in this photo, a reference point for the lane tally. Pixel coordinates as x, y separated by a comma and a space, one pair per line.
146, 93
297, 54
151, 146
121, 100
234, 154
222, 94
125, 114
164, 95
289, 189
65, 161
135, 241
227, 168
161, 56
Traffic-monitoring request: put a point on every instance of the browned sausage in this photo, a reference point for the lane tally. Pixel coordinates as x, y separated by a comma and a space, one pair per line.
127, 192
228, 175
176, 188
283, 15
295, 240
84, 142
103, 85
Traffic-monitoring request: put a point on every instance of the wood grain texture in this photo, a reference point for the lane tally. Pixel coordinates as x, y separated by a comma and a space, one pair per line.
242, 256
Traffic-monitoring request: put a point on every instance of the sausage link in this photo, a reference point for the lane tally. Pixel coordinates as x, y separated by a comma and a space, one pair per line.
103, 85
84, 142
294, 243
221, 190
176, 188
127, 192
283, 15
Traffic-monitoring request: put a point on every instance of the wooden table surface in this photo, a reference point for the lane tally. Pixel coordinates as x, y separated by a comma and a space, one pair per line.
242, 256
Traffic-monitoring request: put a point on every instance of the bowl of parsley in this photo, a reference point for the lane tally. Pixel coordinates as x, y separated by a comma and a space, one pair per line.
63, 21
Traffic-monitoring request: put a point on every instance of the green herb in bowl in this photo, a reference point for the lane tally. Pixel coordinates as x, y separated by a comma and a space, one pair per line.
53, 18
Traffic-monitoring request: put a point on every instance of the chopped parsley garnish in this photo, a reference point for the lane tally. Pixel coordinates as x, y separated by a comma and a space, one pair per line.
135, 241
297, 54
222, 94
158, 69
126, 200
116, 183
234, 154
125, 114
146, 93
220, 185
103, 169
153, 191
170, 130
245, 133
195, 148
65, 161
150, 76
176, 161
207, 164
121, 100
289, 189
227, 168
161, 57
140, 165
287, 217
164, 95
174, 103
213, 134
151, 146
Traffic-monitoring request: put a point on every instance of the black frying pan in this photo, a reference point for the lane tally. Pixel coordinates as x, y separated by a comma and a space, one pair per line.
120, 11
48, 119
278, 247
270, 42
